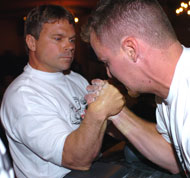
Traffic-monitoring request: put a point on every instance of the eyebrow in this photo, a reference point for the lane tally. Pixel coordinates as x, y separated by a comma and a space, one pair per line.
62, 35
74, 36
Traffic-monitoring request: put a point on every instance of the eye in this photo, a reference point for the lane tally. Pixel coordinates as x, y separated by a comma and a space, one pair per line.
72, 40
57, 38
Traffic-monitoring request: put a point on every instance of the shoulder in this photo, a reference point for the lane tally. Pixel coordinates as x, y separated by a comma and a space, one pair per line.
77, 78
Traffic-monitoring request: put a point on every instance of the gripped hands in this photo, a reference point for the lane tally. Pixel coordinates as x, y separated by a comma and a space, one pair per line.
104, 98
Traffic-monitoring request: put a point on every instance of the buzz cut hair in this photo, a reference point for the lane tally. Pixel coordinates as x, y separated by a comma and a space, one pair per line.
144, 19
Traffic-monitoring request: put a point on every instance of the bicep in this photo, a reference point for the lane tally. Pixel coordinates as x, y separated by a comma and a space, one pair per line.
39, 126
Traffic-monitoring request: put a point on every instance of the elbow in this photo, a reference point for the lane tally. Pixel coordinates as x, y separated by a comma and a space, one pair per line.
76, 165
174, 170
80, 167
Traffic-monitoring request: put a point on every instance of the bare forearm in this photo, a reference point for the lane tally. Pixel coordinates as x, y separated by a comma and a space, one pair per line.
83, 145
144, 136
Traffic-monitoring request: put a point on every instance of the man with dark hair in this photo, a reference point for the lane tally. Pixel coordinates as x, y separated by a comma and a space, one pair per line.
44, 113
136, 41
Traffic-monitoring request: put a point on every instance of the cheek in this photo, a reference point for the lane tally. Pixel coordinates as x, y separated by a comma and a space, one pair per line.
119, 72
49, 50
116, 70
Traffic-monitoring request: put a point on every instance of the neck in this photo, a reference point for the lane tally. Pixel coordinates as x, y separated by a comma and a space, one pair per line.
33, 60
161, 68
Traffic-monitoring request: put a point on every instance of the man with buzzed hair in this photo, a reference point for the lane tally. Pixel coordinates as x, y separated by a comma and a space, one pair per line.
138, 45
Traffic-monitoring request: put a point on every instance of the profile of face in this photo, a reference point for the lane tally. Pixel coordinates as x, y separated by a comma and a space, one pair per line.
114, 60
119, 63
54, 50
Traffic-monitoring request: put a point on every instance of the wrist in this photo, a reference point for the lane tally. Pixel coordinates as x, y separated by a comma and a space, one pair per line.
122, 121
97, 109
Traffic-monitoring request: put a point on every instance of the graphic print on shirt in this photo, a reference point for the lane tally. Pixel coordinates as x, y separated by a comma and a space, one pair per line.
77, 110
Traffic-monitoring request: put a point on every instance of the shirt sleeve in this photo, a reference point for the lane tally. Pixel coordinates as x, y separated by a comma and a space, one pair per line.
6, 170
37, 124
161, 122
185, 138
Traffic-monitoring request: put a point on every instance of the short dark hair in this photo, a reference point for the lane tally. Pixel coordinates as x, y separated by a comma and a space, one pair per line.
45, 14
113, 19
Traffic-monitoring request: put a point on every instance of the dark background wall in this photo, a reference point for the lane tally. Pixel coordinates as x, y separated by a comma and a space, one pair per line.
12, 49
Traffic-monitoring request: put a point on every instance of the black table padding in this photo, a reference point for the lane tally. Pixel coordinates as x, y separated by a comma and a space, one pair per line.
100, 170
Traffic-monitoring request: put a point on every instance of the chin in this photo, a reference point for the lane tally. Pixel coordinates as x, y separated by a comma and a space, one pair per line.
66, 67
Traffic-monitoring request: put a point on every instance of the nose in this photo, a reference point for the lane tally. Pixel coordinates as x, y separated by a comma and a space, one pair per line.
108, 72
69, 46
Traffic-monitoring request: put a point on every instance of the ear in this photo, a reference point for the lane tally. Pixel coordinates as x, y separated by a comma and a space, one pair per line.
129, 46
31, 42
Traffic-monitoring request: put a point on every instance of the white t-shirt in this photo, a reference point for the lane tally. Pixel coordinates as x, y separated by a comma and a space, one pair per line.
39, 110
173, 114
6, 170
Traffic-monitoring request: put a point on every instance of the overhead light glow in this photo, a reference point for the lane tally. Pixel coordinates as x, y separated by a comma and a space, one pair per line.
76, 19
185, 7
